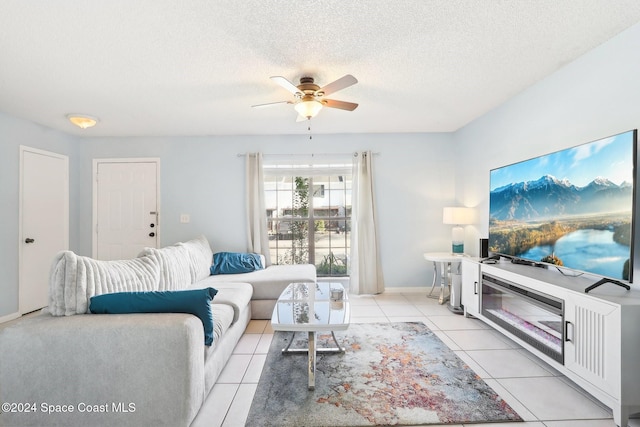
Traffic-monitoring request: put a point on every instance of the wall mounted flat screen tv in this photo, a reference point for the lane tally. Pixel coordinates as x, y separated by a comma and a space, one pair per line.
572, 208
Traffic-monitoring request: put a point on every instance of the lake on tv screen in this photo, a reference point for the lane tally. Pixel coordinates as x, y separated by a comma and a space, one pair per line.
587, 250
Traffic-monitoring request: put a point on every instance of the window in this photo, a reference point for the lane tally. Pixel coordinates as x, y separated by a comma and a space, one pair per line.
309, 215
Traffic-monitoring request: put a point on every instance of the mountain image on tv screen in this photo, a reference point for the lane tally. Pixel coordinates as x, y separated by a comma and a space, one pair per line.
572, 208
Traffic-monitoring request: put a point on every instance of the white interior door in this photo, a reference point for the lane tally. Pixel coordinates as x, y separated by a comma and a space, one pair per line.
125, 207
44, 222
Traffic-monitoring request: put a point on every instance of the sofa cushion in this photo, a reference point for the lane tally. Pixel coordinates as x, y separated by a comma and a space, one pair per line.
236, 295
235, 263
200, 256
270, 282
223, 315
175, 266
195, 301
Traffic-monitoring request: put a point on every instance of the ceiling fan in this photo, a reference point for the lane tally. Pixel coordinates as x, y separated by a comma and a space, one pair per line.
309, 98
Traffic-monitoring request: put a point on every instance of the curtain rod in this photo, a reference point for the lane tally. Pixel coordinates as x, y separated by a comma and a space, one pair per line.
354, 154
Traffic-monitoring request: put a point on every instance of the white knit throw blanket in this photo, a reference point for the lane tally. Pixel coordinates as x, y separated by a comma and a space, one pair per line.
75, 279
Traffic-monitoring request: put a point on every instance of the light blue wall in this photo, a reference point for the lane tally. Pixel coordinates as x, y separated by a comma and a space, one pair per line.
204, 177
416, 174
596, 96
13, 133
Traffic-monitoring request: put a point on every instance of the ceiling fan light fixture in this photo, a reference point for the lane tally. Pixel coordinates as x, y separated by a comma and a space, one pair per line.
308, 108
82, 120
309, 98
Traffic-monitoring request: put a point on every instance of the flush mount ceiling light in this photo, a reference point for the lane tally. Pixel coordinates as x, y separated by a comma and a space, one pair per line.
82, 120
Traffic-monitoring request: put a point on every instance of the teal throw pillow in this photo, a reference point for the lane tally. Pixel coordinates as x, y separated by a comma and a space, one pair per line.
235, 263
196, 302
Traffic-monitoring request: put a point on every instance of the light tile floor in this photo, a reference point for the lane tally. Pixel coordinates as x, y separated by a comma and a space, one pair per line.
540, 395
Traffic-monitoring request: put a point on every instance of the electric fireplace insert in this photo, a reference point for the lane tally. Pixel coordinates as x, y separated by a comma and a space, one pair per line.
532, 316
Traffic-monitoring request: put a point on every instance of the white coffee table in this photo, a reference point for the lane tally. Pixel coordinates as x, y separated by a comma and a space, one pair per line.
308, 307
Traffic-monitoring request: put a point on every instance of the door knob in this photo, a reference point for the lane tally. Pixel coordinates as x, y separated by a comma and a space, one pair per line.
29, 240
152, 234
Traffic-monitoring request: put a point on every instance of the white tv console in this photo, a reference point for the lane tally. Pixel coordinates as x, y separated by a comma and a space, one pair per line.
602, 327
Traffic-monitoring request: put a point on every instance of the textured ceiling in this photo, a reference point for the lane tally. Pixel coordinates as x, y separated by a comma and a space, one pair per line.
170, 67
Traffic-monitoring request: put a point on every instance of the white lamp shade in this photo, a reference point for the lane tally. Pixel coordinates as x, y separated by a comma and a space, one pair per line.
457, 216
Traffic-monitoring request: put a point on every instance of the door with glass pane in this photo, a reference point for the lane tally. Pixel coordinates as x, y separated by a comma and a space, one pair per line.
309, 217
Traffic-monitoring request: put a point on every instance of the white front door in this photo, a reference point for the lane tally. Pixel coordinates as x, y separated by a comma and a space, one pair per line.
44, 222
125, 207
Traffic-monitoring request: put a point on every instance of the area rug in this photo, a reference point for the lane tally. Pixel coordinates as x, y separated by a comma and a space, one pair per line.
390, 374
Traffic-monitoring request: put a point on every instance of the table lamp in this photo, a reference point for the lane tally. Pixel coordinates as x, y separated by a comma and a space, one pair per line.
457, 216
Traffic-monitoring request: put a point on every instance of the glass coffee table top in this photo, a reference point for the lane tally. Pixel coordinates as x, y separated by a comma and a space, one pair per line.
309, 307
312, 308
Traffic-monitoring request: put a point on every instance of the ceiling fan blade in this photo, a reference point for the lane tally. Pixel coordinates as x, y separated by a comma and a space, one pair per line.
286, 84
269, 104
343, 105
341, 83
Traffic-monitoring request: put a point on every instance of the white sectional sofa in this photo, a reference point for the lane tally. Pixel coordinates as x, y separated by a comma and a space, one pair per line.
268, 284
67, 367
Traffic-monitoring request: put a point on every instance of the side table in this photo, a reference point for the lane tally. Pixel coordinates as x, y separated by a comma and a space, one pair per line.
446, 264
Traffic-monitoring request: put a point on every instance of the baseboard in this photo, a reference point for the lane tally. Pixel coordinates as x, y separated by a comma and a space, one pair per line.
391, 290
9, 317
407, 289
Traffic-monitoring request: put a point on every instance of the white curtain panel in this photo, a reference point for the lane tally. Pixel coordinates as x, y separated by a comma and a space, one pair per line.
258, 239
366, 270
